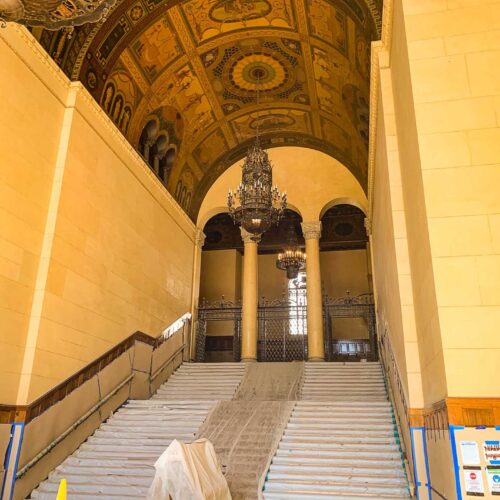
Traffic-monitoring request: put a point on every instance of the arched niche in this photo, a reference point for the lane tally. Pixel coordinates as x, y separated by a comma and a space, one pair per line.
311, 178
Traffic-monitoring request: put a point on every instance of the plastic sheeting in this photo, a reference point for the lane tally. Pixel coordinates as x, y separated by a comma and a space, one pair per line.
245, 435
271, 382
189, 471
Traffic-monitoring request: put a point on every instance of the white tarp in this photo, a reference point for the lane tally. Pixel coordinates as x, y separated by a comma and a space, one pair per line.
189, 471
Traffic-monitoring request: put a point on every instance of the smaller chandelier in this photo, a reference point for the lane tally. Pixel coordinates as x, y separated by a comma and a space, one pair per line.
55, 14
292, 259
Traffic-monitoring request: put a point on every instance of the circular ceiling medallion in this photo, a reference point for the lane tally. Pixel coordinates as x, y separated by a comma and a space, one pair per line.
344, 229
258, 69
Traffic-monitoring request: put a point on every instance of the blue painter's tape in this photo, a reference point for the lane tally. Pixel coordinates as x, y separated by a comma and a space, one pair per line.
415, 472
497, 428
427, 469
495, 462
9, 458
495, 443
455, 459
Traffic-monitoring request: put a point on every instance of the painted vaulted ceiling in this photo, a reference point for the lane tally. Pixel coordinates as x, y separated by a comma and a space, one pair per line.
180, 78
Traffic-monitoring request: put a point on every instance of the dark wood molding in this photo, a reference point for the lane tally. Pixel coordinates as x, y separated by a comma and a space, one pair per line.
26, 413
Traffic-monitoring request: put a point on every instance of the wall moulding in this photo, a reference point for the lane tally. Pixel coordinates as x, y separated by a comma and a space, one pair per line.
467, 412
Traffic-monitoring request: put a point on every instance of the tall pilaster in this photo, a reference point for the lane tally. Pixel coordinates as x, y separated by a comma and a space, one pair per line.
199, 241
249, 299
315, 338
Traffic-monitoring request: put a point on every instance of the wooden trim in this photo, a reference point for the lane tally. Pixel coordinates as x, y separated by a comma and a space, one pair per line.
26, 413
469, 412
472, 412
416, 417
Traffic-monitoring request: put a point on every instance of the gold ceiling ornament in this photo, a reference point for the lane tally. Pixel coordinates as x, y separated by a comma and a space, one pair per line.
54, 14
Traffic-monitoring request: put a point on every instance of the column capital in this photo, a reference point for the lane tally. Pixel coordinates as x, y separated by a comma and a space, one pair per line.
368, 226
249, 237
311, 230
199, 237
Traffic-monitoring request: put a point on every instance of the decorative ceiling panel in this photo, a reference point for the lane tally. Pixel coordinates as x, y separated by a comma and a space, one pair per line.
179, 78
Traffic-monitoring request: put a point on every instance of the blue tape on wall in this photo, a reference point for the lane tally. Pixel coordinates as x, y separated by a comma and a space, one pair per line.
12, 460
427, 469
415, 471
454, 428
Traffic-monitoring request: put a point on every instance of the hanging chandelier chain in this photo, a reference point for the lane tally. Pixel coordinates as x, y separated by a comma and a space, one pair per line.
255, 204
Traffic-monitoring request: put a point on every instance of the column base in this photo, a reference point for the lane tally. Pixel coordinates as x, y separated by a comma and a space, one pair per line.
316, 360
248, 360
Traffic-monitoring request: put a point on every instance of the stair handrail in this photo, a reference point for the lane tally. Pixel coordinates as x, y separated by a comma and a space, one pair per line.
385, 343
10, 414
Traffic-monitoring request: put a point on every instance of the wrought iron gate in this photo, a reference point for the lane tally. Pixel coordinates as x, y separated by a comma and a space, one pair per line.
282, 327
214, 312
361, 306
282, 331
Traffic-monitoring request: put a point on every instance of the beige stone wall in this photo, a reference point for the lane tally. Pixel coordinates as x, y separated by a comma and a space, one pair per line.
27, 161
454, 51
94, 247
273, 283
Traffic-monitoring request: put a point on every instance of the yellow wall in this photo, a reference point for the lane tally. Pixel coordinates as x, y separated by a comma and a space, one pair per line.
272, 281
27, 160
116, 251
220, 276
455, 76
312, 180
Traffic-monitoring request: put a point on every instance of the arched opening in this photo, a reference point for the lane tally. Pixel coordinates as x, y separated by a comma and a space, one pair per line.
221, 281
346, 279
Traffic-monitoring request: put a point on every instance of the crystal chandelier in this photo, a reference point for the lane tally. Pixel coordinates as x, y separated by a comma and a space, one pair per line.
256, 205
54, 14
292, 259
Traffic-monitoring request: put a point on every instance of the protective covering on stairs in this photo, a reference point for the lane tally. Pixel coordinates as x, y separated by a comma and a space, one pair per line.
189, 471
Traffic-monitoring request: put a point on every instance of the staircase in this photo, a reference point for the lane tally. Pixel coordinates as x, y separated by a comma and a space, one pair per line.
117, 461
341, 441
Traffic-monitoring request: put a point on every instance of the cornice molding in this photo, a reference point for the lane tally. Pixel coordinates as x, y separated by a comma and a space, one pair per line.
125, 151
378, 48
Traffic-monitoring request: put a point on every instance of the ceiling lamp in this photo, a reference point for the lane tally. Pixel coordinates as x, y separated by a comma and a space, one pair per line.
54, 14
256, 205
292, 259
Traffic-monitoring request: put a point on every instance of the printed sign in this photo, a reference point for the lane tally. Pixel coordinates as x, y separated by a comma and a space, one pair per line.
493, 474
470, 453
473, 479
492, 452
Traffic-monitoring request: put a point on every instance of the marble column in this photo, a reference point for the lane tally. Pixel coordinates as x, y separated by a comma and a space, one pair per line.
249, 333
315, 336
199, 241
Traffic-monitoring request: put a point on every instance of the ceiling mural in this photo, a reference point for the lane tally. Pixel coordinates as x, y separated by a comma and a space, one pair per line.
179, 78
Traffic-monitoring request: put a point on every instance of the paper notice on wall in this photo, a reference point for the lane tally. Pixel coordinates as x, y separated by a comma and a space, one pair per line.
470, 453
473, 479
492, 452
493, 474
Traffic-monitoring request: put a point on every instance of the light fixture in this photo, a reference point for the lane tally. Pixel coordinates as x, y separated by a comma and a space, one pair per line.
256, 205
54, 14
292, 259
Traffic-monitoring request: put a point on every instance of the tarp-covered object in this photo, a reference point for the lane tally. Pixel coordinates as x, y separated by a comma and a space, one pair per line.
189, 471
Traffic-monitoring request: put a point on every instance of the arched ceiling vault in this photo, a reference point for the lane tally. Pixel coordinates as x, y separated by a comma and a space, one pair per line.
186, 72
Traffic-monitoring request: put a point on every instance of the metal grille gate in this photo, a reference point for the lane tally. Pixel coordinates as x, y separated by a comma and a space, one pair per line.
361, 306
282, 331
282, 328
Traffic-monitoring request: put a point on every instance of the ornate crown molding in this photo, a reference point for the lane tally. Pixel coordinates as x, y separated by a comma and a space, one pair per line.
384, 45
